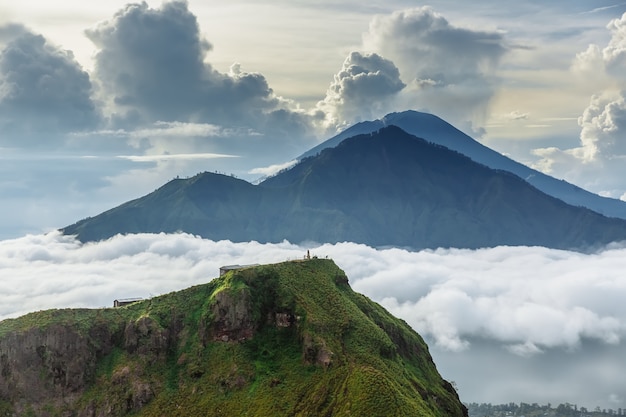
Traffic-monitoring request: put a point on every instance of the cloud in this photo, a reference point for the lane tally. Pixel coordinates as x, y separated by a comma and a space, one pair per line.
152, 66
361, 90
169, 130
603, 124
605, 62
427, 47
615, 53
450, 70
43, 90
154, 76
188, 156
455, 295
10, 31
516, 115
273, 169
494, 318
529, 299
598, 163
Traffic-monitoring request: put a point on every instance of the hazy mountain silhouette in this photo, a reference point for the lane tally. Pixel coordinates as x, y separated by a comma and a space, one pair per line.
436, 130
386, 188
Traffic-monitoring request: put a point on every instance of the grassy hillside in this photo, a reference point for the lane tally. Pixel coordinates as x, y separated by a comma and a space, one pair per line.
289, 339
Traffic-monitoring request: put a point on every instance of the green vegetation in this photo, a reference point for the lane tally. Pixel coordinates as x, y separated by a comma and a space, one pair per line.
290, 339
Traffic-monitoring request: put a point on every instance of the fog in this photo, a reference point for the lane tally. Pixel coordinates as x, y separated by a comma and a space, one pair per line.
506, 324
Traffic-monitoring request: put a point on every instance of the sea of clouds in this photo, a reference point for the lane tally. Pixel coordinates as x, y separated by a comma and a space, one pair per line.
522, 304
527, 298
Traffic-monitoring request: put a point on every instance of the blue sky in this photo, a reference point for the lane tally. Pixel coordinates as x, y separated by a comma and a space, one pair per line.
103, 103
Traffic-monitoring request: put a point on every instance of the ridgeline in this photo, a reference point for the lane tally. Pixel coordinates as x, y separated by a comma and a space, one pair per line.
289, 339
387, 188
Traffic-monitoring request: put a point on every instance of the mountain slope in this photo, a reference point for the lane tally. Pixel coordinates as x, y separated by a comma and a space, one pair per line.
436, 130
387, 188
288, 339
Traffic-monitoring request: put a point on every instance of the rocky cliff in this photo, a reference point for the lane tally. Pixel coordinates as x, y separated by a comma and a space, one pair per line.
289, 339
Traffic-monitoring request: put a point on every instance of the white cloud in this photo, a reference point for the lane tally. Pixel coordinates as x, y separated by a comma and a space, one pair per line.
450, 70
516, 115
361, 90
615, 53
180, 129
183, 156
529, 299
597, 163
603, 125
273, 169
507, 323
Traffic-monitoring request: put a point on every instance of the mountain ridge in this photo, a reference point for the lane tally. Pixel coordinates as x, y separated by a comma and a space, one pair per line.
284, 339
433, 129
386, 188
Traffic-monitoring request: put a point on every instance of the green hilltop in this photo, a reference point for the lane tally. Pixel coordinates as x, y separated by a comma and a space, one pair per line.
289, 339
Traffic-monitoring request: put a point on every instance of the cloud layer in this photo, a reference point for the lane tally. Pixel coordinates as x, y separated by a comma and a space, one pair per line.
527, 299
522, 305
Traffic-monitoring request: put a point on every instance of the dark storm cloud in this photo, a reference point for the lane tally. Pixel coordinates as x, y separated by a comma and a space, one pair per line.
43, 90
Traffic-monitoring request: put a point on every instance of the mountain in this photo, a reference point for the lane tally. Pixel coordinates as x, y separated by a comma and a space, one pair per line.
436, 130
387, 188
290, 339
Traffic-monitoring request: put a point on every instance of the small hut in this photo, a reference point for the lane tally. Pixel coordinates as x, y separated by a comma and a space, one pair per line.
125, 301
227, 268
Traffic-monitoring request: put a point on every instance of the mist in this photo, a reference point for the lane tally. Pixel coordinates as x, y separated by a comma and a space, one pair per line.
507, 324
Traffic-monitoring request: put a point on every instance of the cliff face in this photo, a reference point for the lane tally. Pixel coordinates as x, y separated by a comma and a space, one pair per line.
37, 364
284, 339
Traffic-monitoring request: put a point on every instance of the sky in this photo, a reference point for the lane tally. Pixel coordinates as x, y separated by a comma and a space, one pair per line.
103, 102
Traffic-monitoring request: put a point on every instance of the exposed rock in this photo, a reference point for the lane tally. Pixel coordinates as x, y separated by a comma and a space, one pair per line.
145, 336
315, 352
45, 365
283, 319
232, 316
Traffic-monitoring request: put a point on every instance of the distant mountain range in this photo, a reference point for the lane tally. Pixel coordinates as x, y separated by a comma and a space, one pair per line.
383, 188
436, 130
